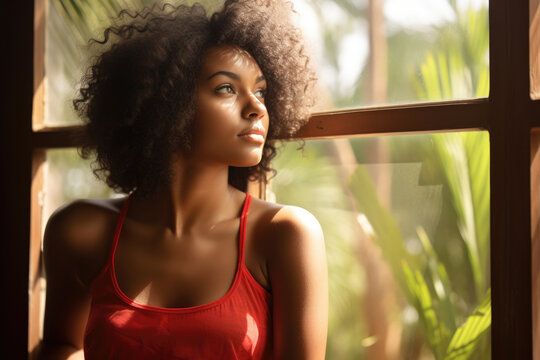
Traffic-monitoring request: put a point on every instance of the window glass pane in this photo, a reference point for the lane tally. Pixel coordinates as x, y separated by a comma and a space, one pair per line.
68, 27
534, 48
375, 52
67, 177
64, 58
406, 223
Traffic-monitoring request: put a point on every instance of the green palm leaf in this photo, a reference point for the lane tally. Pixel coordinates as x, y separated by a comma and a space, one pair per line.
436, 331
385, 231
463, 343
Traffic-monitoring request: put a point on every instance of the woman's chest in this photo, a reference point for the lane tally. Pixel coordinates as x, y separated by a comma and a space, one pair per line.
173, 273
116, 331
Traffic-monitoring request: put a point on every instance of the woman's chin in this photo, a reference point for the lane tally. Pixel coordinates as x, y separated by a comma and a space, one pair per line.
250, 161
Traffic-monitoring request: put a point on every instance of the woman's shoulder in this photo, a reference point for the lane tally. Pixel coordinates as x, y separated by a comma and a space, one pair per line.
82, 231
286, 226
83, 219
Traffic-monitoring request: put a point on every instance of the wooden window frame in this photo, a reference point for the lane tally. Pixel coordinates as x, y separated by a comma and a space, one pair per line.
509, 115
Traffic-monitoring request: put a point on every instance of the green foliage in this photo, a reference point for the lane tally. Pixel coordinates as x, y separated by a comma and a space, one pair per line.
382, 228
458, 67
466, 167
425, 281
462, 345
436, 332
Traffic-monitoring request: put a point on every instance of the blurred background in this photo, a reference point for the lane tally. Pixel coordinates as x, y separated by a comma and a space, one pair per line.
405, 217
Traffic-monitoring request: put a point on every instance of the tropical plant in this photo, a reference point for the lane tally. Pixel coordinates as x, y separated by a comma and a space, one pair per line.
457, 69
424, 280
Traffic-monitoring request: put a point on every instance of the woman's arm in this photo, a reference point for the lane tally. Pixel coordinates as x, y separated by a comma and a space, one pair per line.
54, 352
68, 298
299, 280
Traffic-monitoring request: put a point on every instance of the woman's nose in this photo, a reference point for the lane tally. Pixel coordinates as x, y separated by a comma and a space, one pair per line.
254, 108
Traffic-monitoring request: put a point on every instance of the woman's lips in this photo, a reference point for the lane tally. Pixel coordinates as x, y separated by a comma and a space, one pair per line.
255, 134
254, 137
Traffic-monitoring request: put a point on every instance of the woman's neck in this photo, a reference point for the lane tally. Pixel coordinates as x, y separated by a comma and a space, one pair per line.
197, 197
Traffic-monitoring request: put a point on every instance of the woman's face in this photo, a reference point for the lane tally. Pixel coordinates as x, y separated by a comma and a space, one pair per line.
231, 119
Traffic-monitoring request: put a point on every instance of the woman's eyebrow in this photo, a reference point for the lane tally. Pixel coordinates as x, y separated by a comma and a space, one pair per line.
234, 76
226, 73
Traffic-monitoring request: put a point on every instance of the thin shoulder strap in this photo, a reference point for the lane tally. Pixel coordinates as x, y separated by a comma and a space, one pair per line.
119, 228
114, 243
243, 220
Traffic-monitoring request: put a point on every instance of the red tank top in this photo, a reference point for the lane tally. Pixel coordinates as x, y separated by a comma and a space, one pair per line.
236, 326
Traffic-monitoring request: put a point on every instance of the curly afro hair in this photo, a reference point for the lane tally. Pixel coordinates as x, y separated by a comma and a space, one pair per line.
137, 99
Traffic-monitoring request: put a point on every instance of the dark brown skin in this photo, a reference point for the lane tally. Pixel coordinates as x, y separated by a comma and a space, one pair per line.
186, 234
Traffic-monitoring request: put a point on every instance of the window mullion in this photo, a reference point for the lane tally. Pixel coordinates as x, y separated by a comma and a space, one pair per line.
509, 117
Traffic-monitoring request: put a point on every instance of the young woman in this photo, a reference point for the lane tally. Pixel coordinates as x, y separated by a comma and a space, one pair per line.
181, 109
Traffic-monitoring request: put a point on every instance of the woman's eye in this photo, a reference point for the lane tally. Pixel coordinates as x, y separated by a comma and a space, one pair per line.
261, 93
225, 89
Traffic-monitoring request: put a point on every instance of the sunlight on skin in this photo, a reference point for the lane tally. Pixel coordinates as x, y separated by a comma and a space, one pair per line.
143, 297
230, 85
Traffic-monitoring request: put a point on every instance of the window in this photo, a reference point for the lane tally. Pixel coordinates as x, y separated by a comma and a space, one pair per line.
508, 115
